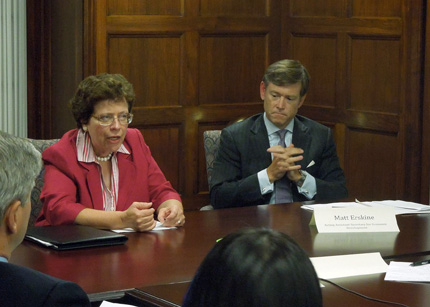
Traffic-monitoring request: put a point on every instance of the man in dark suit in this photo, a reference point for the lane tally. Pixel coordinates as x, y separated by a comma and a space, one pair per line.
20, 163
277, 156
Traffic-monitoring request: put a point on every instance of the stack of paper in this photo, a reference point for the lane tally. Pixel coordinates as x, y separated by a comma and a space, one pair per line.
349, 265
403, 271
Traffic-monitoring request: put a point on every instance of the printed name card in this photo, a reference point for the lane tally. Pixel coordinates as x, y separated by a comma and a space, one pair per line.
371, 219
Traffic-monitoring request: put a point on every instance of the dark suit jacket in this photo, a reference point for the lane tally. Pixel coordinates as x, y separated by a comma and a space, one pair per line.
20, 286
243, 153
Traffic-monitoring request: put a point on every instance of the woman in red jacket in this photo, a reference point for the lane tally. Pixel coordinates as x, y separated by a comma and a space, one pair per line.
102, 174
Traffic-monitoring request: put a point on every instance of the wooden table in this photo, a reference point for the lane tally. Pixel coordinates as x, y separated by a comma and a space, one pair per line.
410, 294
173, 256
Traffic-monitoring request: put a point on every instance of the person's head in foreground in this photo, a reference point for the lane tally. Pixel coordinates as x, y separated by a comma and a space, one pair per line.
255, 267
20, 163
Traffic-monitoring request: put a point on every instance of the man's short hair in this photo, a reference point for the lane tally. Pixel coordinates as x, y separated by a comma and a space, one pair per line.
287, 72
20, 163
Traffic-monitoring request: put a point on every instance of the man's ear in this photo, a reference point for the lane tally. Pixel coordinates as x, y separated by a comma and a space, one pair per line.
11, 216
302, 99
262, 90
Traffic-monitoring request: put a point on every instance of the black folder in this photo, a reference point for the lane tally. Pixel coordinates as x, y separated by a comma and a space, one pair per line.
66, 237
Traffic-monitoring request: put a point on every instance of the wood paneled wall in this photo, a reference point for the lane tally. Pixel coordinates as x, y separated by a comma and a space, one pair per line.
197, 64
364, 57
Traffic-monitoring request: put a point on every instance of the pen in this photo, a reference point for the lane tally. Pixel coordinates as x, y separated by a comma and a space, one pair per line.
422, 262
361, 203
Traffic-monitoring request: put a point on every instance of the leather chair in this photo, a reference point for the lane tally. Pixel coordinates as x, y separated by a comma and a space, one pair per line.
36, 203
211, 144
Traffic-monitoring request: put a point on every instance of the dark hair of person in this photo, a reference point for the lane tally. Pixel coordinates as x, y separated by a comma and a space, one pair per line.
287, 72
94, 89
255, 267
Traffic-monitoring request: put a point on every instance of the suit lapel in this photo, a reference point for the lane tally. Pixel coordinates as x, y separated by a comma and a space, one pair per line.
302, 139
127, 174
260, 143
94, 184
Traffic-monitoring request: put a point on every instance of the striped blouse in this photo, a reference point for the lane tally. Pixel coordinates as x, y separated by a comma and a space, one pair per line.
86, 154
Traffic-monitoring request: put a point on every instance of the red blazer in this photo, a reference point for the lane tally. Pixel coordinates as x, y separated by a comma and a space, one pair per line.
71, 186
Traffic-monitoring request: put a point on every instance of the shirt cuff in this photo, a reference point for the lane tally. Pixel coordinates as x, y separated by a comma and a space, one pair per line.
265, 185
309, 186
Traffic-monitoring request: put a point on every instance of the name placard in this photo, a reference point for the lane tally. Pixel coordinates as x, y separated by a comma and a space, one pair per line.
372, 219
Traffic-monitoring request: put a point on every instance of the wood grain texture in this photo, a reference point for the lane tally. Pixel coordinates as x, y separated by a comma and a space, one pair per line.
197, 64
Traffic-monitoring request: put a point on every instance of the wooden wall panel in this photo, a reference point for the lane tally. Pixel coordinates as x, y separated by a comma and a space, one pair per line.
375, 74
197, 64
376, 8
145, 7
234, 8
318, 54
372, 165
363, 60
194, 64
171, 141
231, 67
327, 8
372, 174
151, 63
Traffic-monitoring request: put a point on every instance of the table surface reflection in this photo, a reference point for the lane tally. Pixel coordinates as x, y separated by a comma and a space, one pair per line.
173, 256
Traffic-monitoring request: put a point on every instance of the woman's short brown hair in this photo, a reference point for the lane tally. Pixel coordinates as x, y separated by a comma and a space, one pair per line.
94, 89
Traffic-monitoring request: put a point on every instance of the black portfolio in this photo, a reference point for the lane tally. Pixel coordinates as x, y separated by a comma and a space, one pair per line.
67, 237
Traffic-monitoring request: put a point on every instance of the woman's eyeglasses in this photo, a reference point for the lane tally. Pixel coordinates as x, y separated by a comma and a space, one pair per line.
107, 119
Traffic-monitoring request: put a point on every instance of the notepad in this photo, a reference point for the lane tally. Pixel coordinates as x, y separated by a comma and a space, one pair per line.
349, 265
403, 271
66, 237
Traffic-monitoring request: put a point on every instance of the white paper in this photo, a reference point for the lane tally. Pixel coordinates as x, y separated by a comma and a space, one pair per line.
332, 205
403, 271
109, 304
349, 265
158, 226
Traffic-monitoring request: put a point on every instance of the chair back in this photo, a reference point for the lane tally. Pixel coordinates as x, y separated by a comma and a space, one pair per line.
36, 203
211, 144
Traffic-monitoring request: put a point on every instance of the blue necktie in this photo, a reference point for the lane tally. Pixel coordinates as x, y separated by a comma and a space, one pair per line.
283, 192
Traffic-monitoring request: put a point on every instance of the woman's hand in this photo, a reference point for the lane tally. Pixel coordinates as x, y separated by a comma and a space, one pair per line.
171, 213
139, 216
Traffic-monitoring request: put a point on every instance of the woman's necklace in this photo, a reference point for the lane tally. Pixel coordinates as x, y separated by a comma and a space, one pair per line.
103, 159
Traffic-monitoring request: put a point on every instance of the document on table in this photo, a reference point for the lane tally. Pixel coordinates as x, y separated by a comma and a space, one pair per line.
403, 271
349, 265
400, 206
109, 304
158, 226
